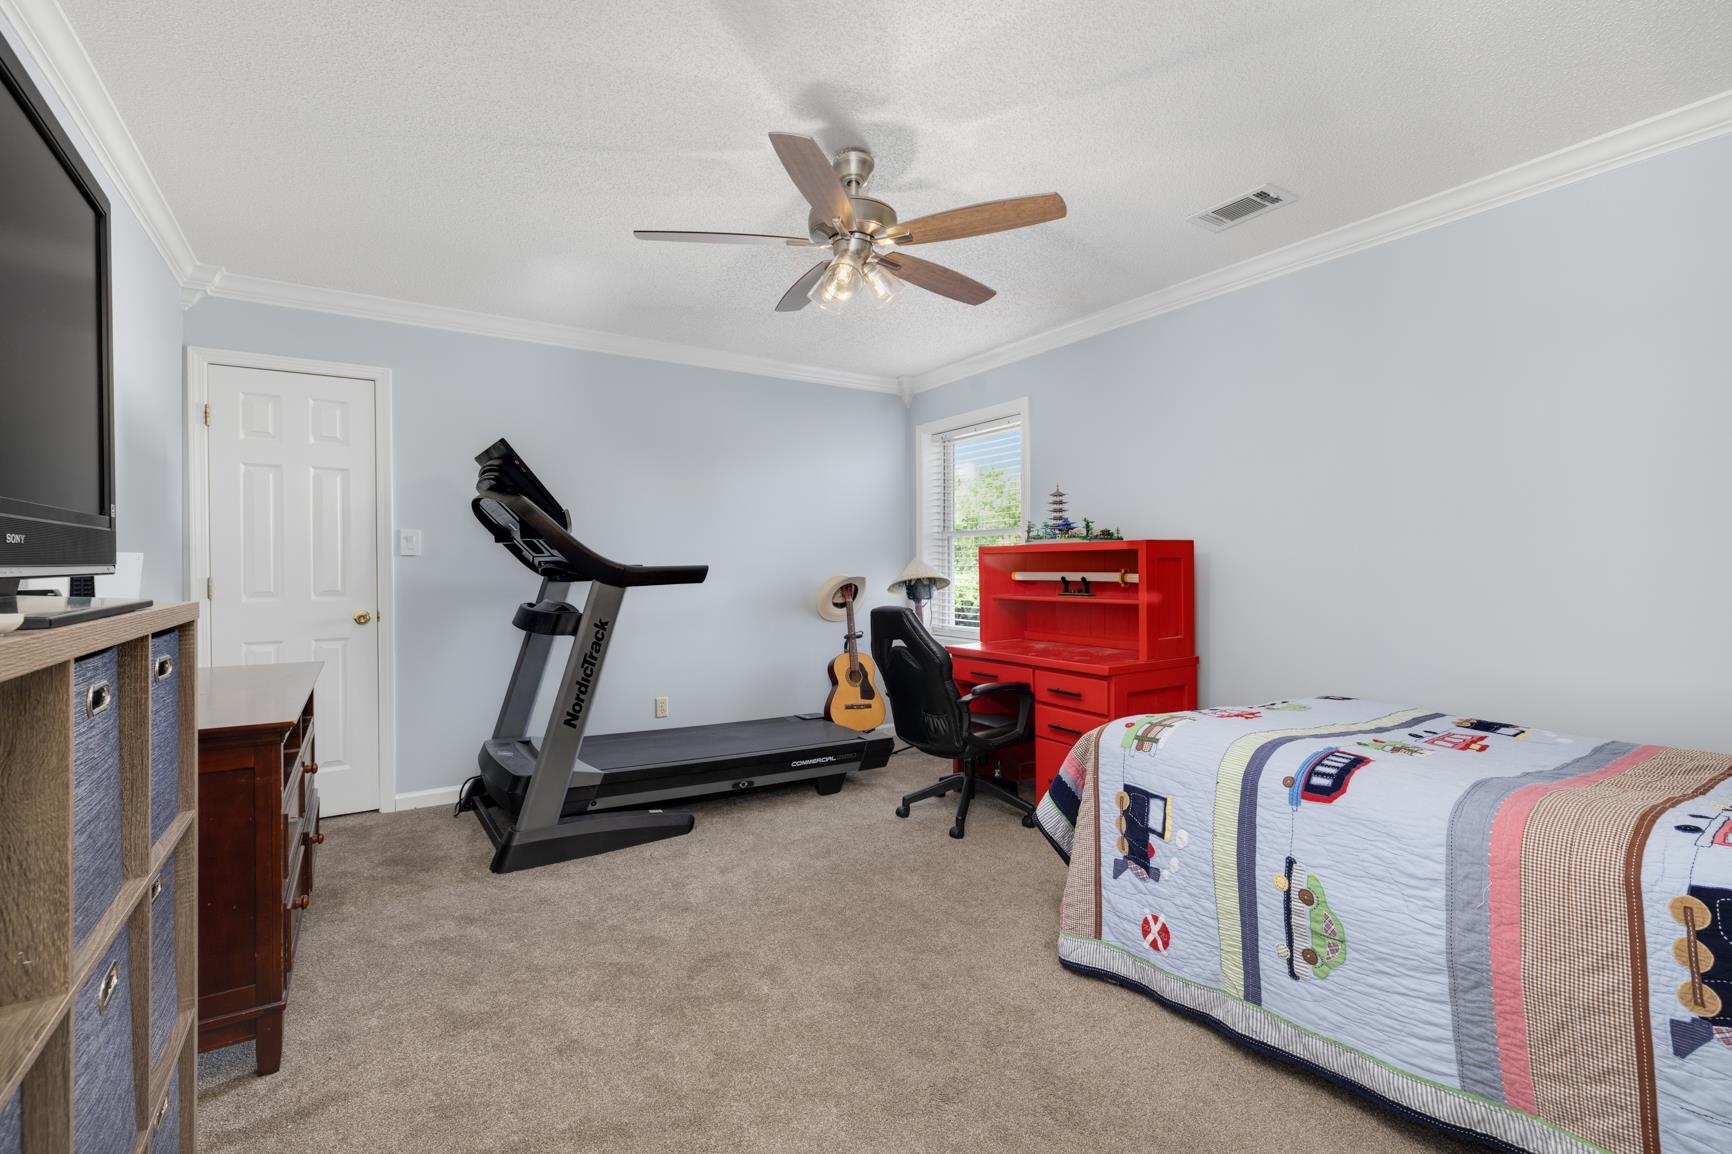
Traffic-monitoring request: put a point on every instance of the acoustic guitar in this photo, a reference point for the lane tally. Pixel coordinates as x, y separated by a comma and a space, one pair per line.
854, 699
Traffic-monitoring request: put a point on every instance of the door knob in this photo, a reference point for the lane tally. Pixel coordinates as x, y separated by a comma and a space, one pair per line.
363, 617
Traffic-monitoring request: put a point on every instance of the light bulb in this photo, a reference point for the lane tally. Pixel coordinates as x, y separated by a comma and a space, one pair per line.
881, 284
837, 286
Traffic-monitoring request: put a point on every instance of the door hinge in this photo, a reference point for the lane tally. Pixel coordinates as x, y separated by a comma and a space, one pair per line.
209, 589
207, 414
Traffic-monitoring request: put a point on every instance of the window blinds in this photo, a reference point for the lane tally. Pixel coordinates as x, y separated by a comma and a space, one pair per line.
971, 495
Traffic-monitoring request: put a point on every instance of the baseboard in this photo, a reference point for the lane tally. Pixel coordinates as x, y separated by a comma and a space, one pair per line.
425, 798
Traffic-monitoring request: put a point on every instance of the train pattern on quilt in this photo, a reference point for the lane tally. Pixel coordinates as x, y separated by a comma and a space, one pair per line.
1516, 932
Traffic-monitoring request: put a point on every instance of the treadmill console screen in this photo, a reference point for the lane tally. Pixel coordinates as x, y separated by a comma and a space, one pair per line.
503, 469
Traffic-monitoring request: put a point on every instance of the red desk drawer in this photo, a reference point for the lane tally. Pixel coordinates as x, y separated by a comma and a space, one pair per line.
1064, 725
1048, 760
973, 671
1088, 694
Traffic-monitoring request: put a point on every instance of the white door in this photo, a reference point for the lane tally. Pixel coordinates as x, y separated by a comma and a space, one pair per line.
294, 560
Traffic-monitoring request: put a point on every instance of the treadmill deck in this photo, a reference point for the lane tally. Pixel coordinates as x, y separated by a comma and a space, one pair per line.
698, 758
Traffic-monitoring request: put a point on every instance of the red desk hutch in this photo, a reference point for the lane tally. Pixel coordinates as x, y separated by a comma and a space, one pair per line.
1129, 647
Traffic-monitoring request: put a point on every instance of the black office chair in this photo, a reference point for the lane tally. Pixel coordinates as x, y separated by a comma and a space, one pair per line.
934, 718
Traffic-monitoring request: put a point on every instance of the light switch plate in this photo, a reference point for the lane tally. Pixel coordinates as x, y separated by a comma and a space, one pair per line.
408, 542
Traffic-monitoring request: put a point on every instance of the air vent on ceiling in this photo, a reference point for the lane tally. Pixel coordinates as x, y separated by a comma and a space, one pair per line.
1240, 209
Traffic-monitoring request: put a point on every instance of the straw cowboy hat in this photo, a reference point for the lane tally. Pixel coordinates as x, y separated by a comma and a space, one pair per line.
831, 607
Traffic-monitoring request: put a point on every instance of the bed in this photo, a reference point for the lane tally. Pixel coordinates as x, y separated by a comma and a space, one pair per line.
1514, 934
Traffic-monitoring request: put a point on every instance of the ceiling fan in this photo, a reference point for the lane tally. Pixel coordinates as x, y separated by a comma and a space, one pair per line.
863, 235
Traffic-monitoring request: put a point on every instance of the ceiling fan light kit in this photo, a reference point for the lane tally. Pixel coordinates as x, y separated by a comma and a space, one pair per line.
864, 235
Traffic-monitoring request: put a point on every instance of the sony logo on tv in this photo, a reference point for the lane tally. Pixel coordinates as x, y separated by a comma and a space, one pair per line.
15, 538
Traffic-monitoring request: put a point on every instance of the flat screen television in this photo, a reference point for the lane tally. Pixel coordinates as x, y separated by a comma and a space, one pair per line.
56, 373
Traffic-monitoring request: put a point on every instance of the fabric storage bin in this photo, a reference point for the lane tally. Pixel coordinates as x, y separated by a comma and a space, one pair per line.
96, 864
12, 1124
164, 731
165, 1129
164, 992
104, 1117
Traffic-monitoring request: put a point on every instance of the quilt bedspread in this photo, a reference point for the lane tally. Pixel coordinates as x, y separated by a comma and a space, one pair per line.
1520, 934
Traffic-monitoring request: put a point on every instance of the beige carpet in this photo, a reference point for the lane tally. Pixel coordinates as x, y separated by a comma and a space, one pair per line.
800, 973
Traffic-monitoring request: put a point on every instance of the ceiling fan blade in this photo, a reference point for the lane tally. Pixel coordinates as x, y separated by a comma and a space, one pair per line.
936, 278
795, 298
810, 170
979, 219
721, 237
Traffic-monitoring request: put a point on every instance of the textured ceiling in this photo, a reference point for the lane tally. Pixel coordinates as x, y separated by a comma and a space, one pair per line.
496, 156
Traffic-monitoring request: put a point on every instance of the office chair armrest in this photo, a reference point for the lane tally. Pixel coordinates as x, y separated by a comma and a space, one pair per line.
1021, 690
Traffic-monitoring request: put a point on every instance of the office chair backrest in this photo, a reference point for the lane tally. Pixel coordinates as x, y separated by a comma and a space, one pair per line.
924, 702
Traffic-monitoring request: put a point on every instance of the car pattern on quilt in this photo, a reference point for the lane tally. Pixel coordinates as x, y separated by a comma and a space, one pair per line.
1512, 931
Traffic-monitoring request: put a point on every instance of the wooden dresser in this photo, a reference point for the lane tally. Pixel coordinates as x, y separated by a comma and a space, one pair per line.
97, 888
255, 864
1125, 647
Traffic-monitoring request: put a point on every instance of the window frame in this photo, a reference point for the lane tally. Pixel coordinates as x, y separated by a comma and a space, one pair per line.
924, 459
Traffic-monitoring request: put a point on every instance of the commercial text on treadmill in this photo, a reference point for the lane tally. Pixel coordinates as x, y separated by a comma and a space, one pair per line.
580, 698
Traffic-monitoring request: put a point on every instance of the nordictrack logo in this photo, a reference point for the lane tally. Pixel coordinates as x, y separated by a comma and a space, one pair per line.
586, 679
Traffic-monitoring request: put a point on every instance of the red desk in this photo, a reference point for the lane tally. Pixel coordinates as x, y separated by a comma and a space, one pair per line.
1127, 648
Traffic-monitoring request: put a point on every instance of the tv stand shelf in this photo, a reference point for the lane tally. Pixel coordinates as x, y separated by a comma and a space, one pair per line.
98, 849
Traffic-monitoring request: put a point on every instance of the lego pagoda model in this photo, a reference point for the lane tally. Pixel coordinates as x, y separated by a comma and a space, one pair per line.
1059, 526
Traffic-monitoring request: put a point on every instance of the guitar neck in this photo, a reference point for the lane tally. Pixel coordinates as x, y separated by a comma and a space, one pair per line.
853, 648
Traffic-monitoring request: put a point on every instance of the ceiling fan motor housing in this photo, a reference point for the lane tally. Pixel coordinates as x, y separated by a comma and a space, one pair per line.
871, 216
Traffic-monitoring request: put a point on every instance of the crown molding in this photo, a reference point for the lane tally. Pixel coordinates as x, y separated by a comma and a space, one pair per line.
259, 290
1648, 138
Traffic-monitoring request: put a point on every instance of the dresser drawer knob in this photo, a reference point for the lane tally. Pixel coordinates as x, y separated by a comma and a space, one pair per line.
100, 697
302, 902
314, 838
110, 983
164, 668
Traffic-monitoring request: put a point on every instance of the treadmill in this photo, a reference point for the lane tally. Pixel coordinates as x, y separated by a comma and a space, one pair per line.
569, 795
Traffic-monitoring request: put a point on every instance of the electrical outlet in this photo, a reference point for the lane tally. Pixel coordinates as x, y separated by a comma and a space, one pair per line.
408, 542
661, 707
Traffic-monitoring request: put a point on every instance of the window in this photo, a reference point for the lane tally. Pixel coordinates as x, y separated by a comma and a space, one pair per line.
972, 492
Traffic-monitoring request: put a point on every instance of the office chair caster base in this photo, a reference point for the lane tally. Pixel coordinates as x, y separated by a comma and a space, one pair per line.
902, 810
1028, 821
956, 831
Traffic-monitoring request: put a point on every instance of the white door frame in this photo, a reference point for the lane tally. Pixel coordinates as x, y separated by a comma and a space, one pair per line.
199, 361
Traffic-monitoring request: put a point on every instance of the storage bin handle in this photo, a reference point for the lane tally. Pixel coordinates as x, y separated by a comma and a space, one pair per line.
100, 697
110, 983
164, 668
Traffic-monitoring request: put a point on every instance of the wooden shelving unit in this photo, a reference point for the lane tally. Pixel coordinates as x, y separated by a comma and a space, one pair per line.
55, 992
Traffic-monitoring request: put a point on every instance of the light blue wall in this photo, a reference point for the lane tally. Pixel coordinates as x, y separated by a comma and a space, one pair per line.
150, 484
775, 484
1485, 468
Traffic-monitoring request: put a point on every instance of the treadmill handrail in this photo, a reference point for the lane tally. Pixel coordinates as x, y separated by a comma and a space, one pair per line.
576, 561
